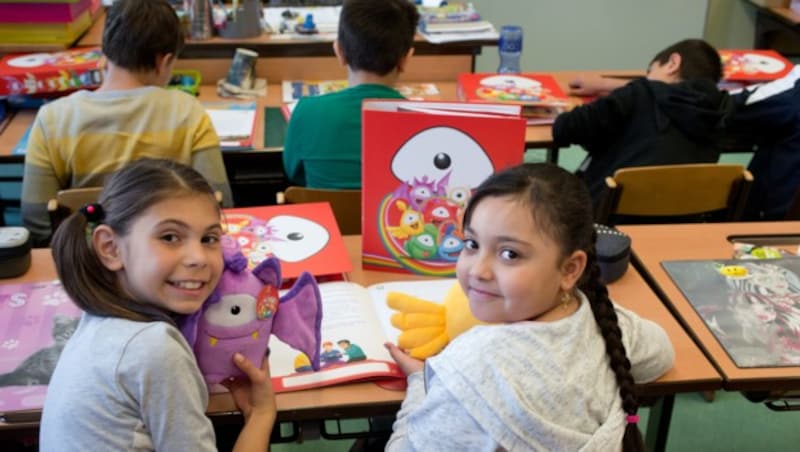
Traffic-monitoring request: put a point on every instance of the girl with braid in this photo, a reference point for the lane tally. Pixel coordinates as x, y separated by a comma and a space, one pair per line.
556, 369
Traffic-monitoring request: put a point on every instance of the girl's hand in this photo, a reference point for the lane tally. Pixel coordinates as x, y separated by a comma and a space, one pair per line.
406, 363
255, 395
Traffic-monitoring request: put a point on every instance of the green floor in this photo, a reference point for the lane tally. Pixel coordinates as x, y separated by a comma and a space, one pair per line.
730, 423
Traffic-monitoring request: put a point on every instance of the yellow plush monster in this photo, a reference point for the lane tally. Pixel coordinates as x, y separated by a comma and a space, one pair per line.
427, 326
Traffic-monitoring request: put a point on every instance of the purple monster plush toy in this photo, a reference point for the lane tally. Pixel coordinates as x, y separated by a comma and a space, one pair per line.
245, 309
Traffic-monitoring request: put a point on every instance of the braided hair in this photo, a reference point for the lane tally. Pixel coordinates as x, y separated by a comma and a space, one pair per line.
562, 208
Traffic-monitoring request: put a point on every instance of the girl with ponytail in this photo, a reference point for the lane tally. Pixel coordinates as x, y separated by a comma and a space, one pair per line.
556, 368
147, 251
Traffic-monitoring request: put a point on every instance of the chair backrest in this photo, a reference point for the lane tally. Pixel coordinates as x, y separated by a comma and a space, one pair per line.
686, 190
793, 213
346, 204
68, 201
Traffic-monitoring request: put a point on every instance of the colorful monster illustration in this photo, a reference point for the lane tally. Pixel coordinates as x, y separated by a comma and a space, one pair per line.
459, 195
410, 222
512, 87
440, 211
423, 246
289, 238
245, 309
450, 246
733, 271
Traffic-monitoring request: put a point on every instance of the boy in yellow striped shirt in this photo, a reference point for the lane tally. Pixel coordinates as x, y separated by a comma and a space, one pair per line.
78, 140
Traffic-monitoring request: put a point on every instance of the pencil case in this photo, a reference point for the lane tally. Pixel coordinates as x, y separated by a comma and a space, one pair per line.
15, 251
613, 252
186, 80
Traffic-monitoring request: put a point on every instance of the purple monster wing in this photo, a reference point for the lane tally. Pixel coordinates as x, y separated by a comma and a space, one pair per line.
299, 316
269, 271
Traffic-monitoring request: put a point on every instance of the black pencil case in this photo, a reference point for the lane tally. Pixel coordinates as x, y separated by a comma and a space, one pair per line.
613, 252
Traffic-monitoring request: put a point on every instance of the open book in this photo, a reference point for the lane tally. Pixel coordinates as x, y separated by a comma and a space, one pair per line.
355, 325
235, 123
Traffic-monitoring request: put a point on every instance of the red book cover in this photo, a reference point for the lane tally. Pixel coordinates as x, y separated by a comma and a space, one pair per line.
749, 65
40, 73
304, 237
539, 92
419, 167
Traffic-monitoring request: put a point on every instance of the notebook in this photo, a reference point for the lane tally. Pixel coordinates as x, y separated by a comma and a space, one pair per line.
752, 307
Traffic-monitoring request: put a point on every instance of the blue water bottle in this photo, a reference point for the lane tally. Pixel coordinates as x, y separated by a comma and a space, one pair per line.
510, 48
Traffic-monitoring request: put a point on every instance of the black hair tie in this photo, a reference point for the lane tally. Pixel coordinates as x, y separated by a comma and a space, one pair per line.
93, 212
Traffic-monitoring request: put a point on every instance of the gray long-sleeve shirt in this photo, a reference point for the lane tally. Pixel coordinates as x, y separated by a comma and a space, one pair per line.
528, 386
121, 385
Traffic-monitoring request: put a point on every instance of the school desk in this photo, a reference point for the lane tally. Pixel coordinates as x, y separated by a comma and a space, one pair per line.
653, 244
535, 136
692, 371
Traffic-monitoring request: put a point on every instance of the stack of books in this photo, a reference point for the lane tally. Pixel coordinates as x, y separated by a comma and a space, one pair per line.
454, 21
57, 23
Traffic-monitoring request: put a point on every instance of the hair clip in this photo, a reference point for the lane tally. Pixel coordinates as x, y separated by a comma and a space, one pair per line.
93, 212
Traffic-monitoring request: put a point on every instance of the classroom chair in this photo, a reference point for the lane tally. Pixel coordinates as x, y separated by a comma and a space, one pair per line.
346, 204
675, 193
68, 201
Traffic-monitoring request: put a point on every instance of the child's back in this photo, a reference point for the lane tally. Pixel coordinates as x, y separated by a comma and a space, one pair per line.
78, 140
131, 362
534, 385
323, 140
674, 116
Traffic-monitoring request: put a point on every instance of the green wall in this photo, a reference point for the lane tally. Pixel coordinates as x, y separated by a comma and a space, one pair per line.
612, 34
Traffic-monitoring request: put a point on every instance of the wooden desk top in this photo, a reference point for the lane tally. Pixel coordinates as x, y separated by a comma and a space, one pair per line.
535, 136
655, 243
692, 371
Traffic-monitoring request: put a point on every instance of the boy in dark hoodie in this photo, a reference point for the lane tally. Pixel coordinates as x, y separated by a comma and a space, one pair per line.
674, 115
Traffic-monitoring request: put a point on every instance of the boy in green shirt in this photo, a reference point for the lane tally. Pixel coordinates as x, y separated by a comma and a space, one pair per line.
323, 141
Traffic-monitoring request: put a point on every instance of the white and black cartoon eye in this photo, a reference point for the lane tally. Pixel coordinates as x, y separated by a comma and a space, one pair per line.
232, 311
29, 61
439, 153
754, 62
295, 238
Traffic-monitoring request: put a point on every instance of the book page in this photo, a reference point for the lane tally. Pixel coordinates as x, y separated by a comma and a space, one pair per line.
234, 124
348, 315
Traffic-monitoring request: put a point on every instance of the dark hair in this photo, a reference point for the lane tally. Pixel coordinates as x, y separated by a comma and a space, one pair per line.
699, 60
374, 35
138, 31
562, 208
127, 194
